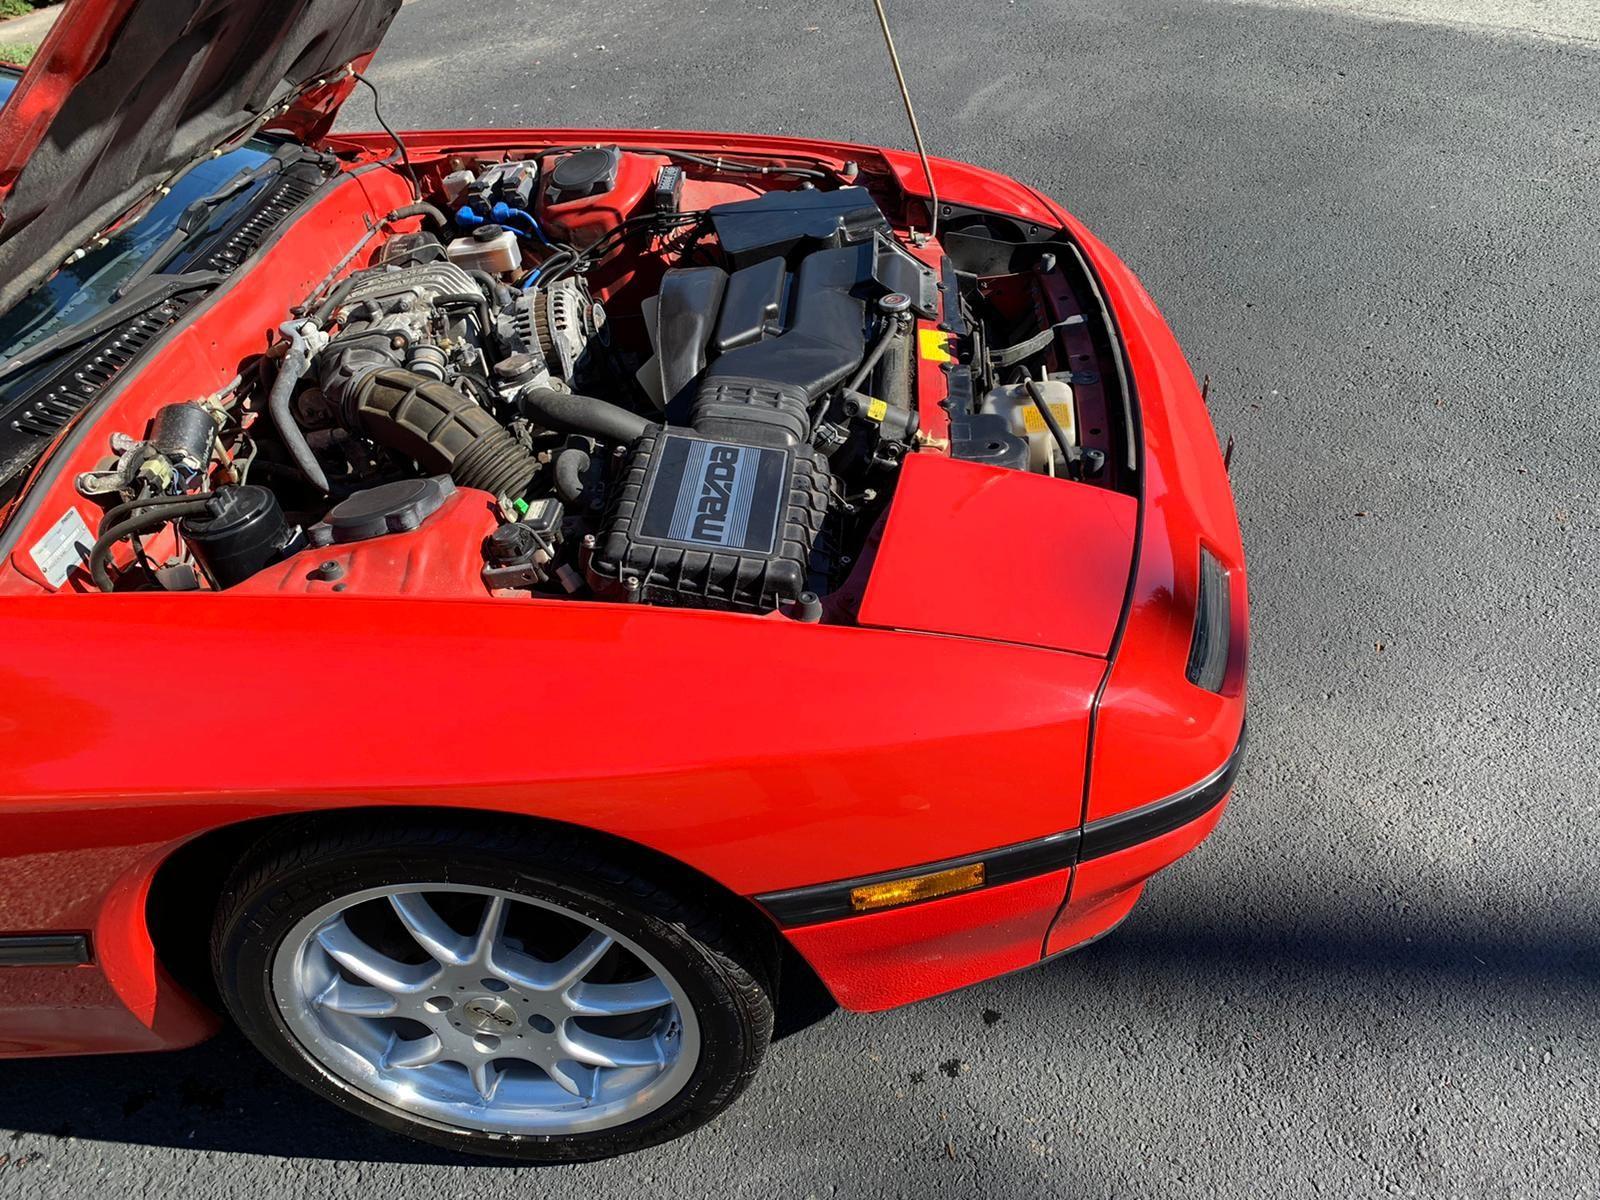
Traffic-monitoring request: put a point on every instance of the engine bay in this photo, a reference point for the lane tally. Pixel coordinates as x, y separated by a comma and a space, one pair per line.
623, 375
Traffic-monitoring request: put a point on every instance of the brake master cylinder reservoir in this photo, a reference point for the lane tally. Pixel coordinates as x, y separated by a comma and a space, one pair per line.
490, 248
1015, 404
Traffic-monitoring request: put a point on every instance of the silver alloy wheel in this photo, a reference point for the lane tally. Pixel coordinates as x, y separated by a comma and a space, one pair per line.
435, 999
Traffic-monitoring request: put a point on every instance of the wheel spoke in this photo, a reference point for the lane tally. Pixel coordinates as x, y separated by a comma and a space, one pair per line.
416, 1052
524, 970
485, 1079
518, 968
579, 961
369, 965
490, 930
596, 1051
431, 931
353, 999
574, 1078
617, 999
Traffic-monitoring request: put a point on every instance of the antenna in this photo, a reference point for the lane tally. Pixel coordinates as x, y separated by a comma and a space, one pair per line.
911, 115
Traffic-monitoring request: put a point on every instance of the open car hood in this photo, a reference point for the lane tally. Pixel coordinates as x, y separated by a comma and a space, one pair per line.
123, 94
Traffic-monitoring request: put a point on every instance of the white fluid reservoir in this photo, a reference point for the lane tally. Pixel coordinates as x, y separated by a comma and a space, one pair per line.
1013, 402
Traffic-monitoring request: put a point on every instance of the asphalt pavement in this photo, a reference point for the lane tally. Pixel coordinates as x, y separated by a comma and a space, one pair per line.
1376, 227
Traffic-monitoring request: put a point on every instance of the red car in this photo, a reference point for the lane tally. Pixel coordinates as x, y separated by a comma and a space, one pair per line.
487, 609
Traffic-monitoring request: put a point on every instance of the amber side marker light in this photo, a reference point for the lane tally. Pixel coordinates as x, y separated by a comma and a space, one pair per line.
872, 896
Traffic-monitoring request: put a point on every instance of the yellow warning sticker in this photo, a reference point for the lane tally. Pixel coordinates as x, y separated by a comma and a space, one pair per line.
877, 410
934, 345
1033, 419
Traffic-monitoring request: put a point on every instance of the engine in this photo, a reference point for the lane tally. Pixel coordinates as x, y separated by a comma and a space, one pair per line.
723, 429
705, 474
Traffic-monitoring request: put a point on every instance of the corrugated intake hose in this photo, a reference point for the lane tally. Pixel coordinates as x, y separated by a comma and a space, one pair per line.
441, 430
572, 413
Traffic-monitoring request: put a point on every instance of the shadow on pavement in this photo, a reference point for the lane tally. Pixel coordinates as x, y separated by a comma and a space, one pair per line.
1352, 951
221, 1096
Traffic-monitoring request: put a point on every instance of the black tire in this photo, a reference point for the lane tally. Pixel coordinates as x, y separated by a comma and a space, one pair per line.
725, 966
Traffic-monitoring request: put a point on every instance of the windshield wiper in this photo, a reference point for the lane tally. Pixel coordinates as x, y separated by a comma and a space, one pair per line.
194, 217
151, 292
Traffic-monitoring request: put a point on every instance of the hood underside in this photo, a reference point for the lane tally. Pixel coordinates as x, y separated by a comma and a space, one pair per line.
125, 93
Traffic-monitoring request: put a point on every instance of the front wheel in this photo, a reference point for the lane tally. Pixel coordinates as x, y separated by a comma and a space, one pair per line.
508, 994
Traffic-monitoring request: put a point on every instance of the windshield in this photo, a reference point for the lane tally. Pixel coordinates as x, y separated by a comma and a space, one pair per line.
8, 82
82, 289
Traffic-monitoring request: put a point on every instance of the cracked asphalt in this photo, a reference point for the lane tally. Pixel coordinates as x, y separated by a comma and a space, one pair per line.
1374, 226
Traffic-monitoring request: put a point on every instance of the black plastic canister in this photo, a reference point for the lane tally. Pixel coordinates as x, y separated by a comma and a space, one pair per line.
242, 530
184, 433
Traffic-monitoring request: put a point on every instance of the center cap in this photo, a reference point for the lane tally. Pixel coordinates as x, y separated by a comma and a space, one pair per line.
490, 1014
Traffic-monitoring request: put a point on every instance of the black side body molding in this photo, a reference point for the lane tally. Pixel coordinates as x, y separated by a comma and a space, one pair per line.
1110, 834
830, 901
44, 949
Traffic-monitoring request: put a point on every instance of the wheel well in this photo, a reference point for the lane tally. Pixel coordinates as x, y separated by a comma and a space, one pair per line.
187, 887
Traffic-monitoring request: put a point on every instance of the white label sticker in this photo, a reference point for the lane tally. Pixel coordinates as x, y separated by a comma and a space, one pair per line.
65, 546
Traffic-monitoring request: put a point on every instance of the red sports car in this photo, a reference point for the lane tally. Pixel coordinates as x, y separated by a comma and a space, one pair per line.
487, 609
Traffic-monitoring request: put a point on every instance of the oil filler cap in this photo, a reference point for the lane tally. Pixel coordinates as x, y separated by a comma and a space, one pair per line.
388, 508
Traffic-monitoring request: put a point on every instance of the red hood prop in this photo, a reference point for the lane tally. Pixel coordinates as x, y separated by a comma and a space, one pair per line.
123, 94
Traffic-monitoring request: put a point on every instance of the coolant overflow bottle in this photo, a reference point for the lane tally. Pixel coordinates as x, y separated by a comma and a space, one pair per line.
1013, 402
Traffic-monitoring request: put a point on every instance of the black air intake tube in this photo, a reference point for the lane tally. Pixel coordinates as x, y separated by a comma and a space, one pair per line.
441, 430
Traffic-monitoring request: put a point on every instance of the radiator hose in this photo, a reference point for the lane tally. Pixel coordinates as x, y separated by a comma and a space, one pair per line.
570, 412
571, 464
441, 430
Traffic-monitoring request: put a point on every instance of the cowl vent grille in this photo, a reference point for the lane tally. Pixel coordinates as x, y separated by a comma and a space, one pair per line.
29, 420
49, 410
278, 200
